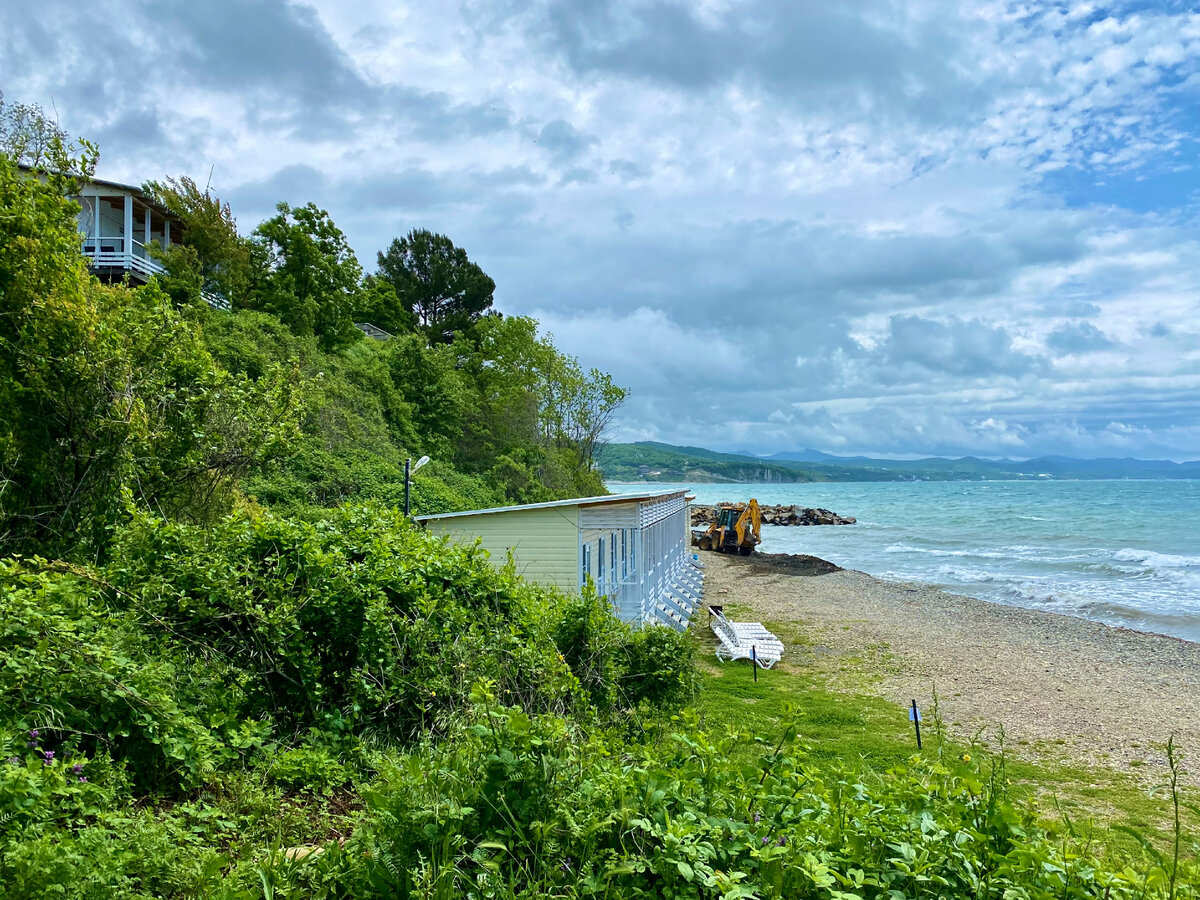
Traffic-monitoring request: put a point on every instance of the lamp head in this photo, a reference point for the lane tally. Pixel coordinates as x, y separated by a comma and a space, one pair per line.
420, 462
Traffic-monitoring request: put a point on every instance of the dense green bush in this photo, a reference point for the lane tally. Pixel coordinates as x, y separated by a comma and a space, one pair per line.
620, 666
357, 621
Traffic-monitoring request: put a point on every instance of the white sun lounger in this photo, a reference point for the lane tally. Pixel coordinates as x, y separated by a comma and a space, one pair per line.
745, 640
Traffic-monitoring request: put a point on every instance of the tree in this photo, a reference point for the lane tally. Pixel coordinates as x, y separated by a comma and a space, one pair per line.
107, 395
378, 304
436, 282
307, 274
28, 137
210, 256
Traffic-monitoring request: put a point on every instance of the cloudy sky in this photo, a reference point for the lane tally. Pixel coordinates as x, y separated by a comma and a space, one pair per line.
900, 227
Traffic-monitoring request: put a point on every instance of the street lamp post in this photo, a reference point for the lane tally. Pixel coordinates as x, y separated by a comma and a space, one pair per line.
409, 471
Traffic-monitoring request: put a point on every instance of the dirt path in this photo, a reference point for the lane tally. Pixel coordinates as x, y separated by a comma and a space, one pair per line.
1060, 686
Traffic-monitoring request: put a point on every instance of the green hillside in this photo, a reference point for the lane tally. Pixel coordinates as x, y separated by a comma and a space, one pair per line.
652, 461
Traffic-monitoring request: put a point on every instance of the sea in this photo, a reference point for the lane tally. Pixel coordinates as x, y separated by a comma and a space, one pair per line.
1125, 553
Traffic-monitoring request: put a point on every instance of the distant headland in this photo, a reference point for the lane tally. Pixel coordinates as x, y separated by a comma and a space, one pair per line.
651, 461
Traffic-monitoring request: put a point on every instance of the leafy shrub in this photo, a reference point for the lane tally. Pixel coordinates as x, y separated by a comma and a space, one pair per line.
358, 618
660, 668
308, 768
72, 670
621, 666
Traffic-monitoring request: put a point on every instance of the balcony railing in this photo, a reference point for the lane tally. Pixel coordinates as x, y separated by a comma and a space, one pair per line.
109, 253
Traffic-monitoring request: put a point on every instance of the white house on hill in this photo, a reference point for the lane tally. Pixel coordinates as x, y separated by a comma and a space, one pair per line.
119, 222
634, 547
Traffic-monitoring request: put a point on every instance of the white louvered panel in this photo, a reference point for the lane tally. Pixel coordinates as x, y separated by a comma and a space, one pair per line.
657, 510
609, 516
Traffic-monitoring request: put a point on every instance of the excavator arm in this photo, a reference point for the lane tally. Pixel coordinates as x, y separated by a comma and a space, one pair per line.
749, 525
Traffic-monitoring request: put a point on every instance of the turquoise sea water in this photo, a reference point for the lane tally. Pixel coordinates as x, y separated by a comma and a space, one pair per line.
1121, 552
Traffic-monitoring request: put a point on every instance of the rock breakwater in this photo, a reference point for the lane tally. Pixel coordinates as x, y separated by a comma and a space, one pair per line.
775, 515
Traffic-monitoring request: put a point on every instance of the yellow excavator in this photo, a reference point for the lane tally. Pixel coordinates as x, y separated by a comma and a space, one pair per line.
735, 528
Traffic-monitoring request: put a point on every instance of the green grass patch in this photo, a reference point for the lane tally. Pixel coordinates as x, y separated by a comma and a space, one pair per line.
841, 719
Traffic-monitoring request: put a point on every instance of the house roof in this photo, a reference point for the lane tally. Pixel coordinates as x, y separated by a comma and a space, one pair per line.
134, 189
578, 501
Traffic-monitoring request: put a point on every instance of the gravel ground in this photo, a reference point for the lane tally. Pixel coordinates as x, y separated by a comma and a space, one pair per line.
1061, 687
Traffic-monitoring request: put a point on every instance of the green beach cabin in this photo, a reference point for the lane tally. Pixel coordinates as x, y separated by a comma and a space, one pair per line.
634, 547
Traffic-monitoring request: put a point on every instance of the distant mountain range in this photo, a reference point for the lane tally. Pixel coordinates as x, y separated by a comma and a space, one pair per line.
653, 461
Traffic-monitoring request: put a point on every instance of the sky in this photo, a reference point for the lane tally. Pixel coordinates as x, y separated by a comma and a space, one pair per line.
896, 228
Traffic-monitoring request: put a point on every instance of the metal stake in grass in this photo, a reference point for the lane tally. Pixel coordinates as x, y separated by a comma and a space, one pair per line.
754, 661
914, 716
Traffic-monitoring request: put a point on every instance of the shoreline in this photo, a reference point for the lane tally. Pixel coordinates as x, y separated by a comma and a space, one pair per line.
1058, 685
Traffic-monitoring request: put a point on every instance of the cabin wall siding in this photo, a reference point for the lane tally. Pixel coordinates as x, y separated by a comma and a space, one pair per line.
544, 542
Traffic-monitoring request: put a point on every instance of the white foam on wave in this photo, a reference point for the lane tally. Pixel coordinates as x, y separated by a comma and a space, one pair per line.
973, 553
964, 575
1154, 560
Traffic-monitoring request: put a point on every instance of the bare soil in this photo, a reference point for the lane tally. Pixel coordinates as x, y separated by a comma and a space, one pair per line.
1061, 687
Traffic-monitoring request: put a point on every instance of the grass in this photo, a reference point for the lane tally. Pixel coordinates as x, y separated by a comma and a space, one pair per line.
847, 721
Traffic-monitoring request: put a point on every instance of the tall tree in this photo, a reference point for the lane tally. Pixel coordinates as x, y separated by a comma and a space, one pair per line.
28, 137
107, 394
437, 283
307, 274
210, 254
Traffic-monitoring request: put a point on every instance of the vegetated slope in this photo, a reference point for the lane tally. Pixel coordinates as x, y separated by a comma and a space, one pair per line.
349, 708
115, 397
654, 461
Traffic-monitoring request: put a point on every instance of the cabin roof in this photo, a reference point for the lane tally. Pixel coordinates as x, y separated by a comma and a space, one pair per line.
577, 501
134, 189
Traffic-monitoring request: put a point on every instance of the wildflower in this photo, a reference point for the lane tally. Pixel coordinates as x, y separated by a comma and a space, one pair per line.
13, 761
782, 841
33, 734
47, 757
77, 769
966, 757
567, 865
764, 840
757, 818
82, 779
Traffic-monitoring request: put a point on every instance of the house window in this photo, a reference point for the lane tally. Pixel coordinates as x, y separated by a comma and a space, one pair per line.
600, 563
586, 564
624, 553
612, 559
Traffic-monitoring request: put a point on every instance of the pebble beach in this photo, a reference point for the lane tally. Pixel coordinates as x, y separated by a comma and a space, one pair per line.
1060, 686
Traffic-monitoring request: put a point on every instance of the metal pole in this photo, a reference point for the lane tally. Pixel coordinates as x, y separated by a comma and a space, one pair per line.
407, 485
754, 661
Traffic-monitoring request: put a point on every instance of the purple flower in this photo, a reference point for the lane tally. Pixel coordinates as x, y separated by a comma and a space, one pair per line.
566, 865
82, 779
48, 757
757, 818
13, 761
782, 841
77, 769
33, 735
765, 839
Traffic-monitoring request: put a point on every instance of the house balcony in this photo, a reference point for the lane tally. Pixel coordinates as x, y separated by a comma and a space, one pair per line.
109, 253
119, 224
